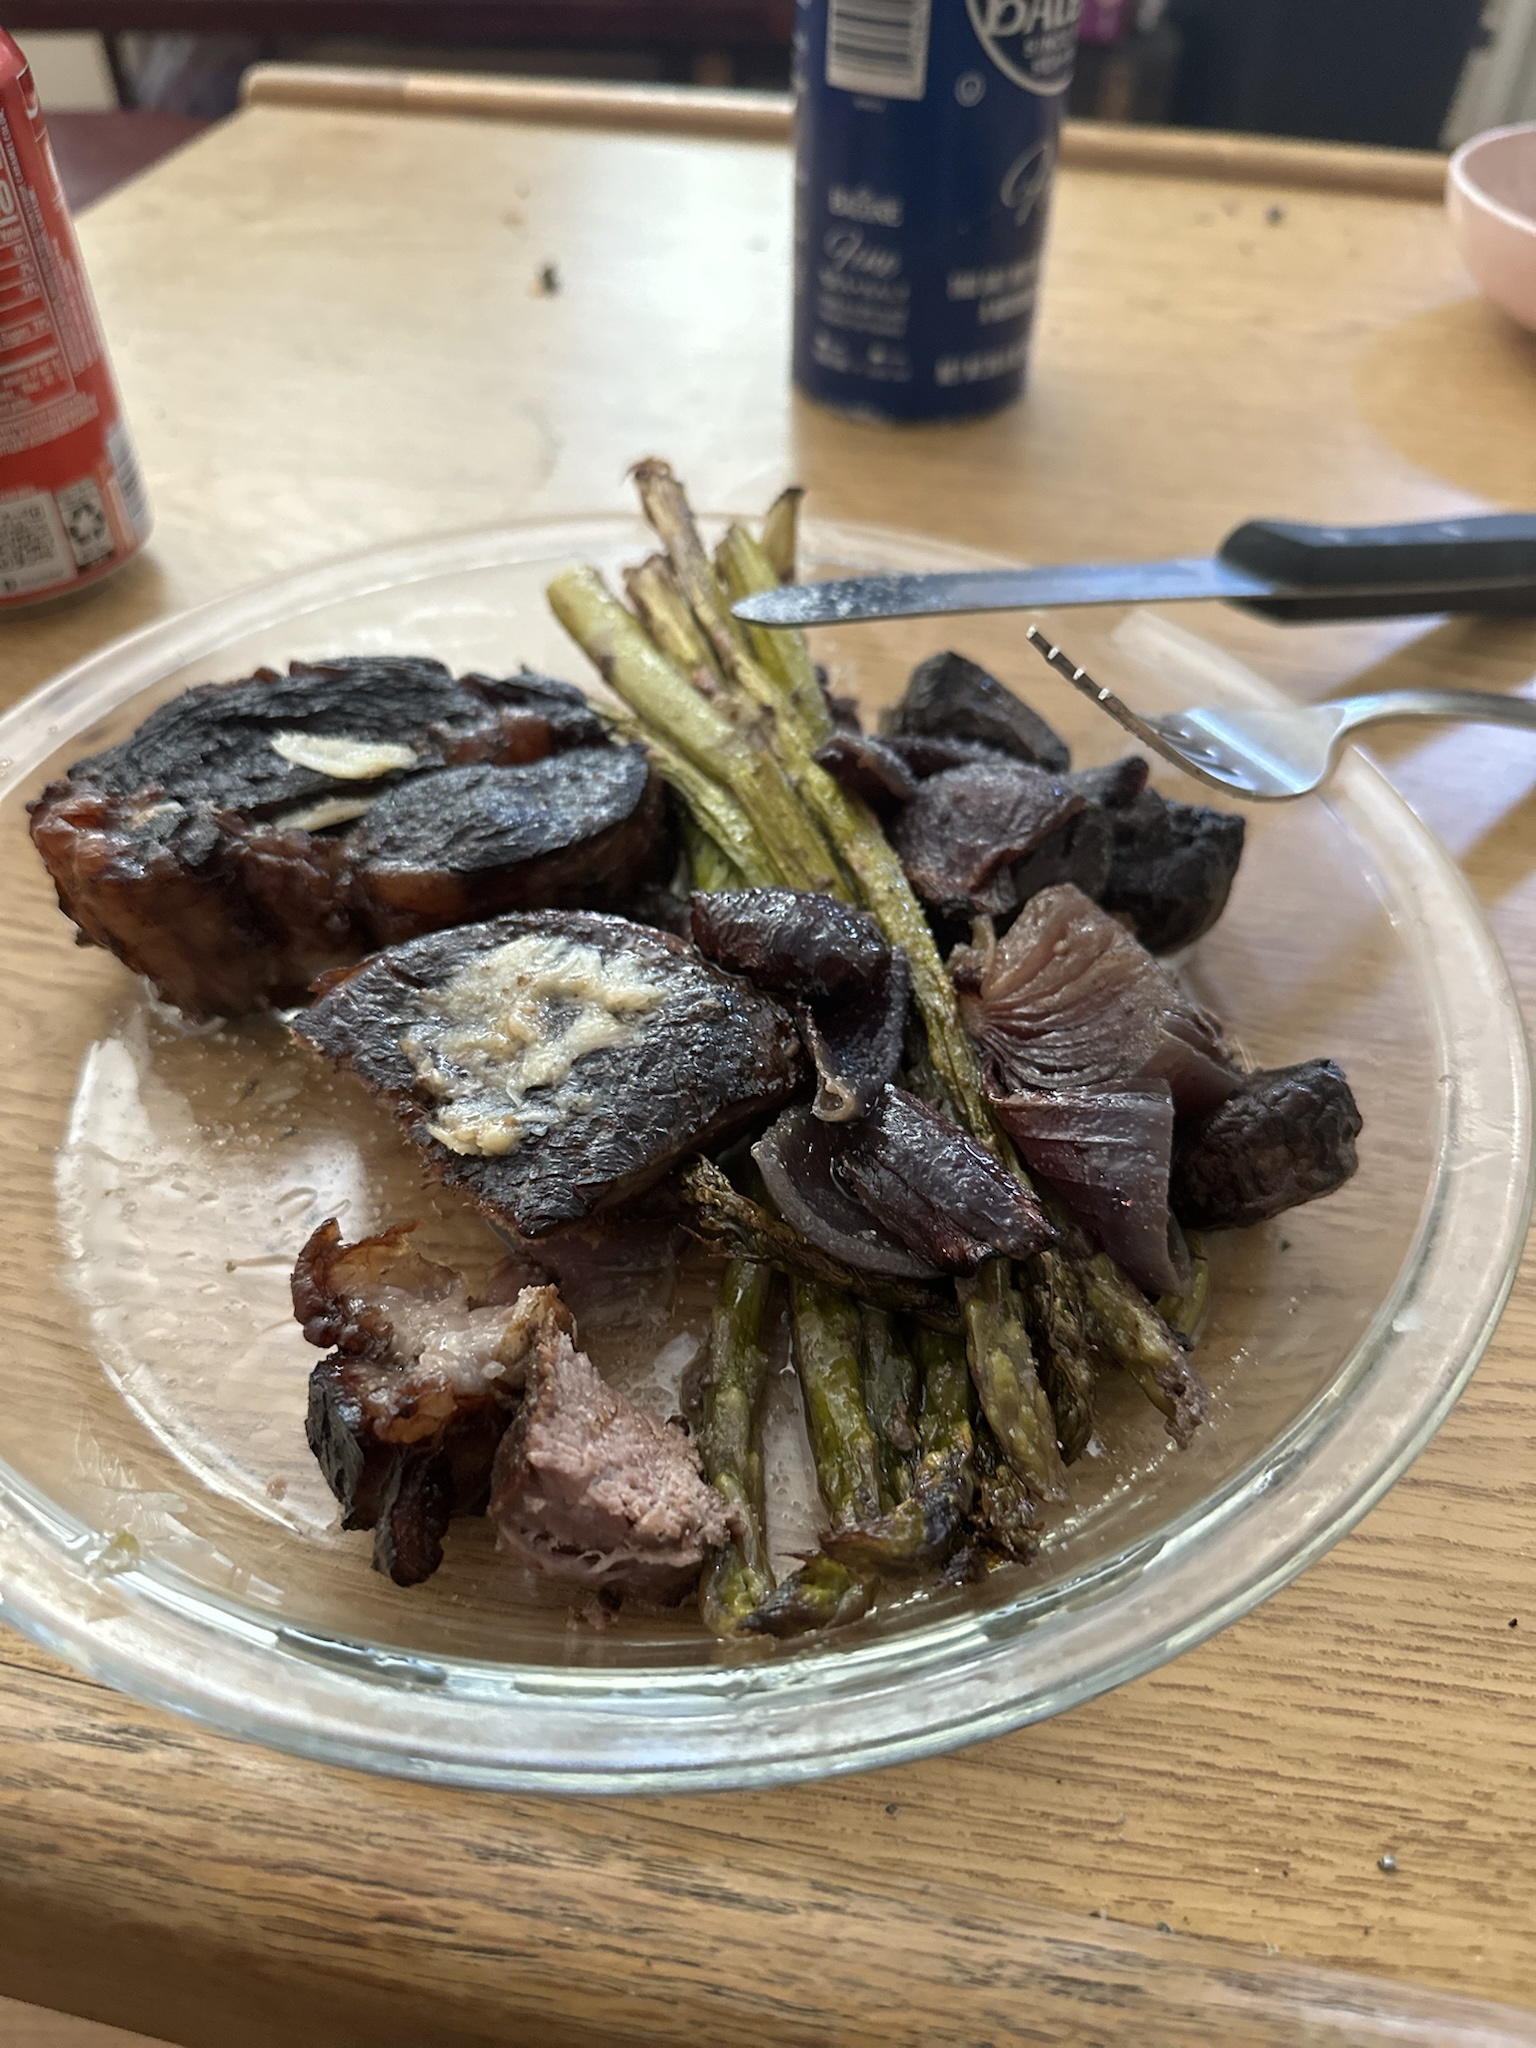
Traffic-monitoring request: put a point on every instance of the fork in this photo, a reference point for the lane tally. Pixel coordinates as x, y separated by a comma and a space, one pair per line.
1272, 753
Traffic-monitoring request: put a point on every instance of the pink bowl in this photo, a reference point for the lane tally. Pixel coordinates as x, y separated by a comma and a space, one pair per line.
1490, 194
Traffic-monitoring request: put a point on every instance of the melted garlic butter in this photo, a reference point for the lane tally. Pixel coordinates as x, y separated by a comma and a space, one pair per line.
515, 1021
349, 760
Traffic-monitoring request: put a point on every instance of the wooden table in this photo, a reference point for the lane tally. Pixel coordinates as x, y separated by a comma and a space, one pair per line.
1210, 348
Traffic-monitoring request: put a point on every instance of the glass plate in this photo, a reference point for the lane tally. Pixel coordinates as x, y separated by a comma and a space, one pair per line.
162, 1524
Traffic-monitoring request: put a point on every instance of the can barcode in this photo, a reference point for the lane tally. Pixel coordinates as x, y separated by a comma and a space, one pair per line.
130, 478
879, 47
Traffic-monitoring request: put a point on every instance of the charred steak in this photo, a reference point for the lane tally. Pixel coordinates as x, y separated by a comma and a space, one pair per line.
406, 1412
213, 851
551, 1063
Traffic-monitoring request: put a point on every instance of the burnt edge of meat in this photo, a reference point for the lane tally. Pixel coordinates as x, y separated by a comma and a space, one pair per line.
207, 880
585, 829
405, 1441
1286, 1135
951, 697
1171, 868
721, 1056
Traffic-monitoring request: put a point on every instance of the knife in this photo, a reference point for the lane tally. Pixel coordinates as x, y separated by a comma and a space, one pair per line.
1284, 571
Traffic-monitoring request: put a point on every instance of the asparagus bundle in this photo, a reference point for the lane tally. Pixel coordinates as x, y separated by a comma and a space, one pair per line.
733, 717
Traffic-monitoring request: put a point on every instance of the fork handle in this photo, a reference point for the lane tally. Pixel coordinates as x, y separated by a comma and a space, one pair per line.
1465, 707
1484, 564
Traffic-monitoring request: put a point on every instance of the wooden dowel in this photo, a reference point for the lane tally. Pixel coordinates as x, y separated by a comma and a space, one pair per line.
767, 117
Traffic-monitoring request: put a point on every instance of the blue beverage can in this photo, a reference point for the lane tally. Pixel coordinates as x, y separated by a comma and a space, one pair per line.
926, 138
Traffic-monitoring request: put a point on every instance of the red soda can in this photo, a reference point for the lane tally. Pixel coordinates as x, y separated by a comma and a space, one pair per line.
72, 503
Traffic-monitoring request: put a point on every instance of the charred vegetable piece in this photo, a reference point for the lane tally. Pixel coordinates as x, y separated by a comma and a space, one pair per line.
798, 1158
825, 1326
1107, 1153
857, 1045
934, 1188
1113, 787
980, 840
1171, 869
890, 1400
1285, 1136
792, 942
868, 767
407, 1411
735, 1221
1068, 999
1056, 1311
1127, 1330
553, 1062
737, 1578
953, 698
581, 830
589, 1487
822, 1594
1004, 1515
1007, 1384
928, 754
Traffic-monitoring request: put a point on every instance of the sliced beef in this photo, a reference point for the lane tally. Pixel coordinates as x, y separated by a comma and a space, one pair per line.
1171, 868
406, 1411
585, 828
979, 840
1284, 1136
220, 915
551, 1063
953, 698
589, 1487
202, 850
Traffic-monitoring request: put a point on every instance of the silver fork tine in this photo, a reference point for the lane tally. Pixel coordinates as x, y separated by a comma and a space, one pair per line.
1105, 698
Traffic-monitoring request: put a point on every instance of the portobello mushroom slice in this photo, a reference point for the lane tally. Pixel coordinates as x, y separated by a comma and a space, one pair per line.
1284, 1136
553, 1063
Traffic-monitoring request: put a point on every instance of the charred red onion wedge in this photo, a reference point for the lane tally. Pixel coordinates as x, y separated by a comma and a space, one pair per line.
851, 990
795, 1157
935, 1188
1068, 999
983, 838
903, 1192
955, 698
1106, 1152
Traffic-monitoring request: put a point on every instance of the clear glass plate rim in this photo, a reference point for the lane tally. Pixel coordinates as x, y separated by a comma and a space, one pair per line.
794, 1685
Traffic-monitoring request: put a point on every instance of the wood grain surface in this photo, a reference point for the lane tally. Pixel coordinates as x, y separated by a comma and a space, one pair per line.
330, 331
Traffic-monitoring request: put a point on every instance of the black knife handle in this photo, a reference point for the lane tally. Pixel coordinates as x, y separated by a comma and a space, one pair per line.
1490, 562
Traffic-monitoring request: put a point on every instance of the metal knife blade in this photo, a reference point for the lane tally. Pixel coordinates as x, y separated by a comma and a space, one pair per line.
999, 590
